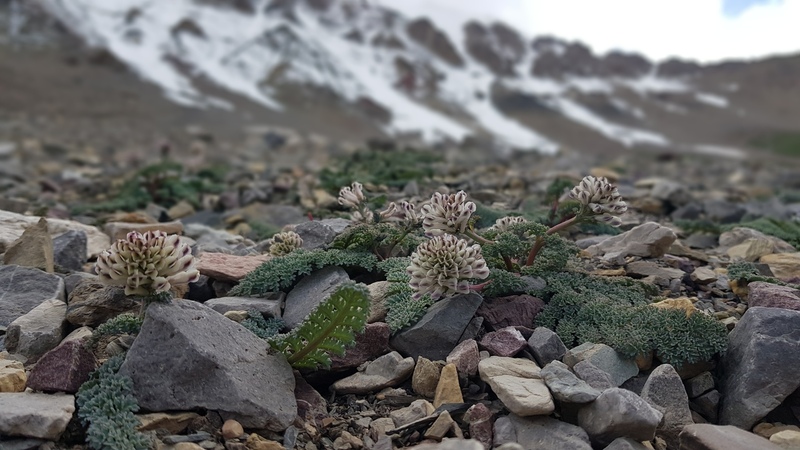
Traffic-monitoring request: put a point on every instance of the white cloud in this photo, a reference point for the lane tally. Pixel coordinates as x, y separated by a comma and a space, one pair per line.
695, 29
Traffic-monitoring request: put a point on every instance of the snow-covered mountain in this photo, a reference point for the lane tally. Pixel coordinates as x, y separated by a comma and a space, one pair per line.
480, 79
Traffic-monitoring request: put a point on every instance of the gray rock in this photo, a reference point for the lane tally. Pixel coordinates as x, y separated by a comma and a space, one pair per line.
40, 416
91, 303
34, 248
591, 240
535, 433
740, 235
650, 268
625, 443
388, 370
715, 437
699, 385
12, 226
214, 364
452, 444
604, 358
764, 338
770, 295
650, 240
565, 386
702, 241
722, 211
269, 307
319, 233
439, 330
72, 280
689, 211
310, 292
23, 444
619, 413
664, 391
595, 377
38, 331
707, 405
674, 192
69, 250
24, 288
546, 346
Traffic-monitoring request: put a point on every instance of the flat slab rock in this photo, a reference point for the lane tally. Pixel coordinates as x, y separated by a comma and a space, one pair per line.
390, 369
649, 240
12, 226
24, 288
717, 437
32, 415
213, 363
225, 267
536, 433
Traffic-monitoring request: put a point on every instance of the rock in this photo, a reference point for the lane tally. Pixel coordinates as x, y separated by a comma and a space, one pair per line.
311, 406
546, 346
247, 384
370, 344
452, 444
673, 192
466, 357
624, 443
771, 295
26, 444
724, 212
593, 376
441, 427
764, 337
418, 409
41, 416
699, 385
91, 303
174, 423
515, 310
426, 377
268, 307
319, 233
740, 235
12, 376
703, 275
784, 266
13, 225
34, 248
180, 210
119, 230
436, 334
231, 429
641, 269
786, 439
649, 240
715, 437
504, 342
310, 292
751, 249
69, 250
479, 418
378, 291
448, 390
517, 384
72, 280
619, 413
604, 358
38, 331
63, 369
702, 241
535, 433
682, 303
664, 391
707, 405
225, 267
388, 370
24, 288
565, 386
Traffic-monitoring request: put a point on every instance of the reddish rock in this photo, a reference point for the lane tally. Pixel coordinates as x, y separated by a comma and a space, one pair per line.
515, 310
466, 358
225, 267
311, 405
773, 296
62, 369
370, 344
480, 423
505, 342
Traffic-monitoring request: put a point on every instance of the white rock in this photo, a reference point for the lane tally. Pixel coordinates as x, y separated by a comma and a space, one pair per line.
12, 225
41, 416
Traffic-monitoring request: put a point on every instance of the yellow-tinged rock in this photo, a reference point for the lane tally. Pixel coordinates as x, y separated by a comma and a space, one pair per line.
448, 390
232, 429
751, 249
787, 439
740, 290
683, 303
12, 376
783, 265
619, 272
256, 442
175, 423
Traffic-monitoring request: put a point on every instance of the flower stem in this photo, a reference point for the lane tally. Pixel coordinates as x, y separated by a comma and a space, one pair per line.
479, 287
537, 246
475, 237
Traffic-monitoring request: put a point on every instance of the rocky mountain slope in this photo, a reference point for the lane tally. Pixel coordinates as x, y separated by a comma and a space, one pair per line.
352, 68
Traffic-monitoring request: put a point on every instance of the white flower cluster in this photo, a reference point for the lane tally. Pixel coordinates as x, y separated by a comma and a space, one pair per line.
403, 213
503, 223
147, 264
600, 199
447, 214
284, 243
443, 266
353, 197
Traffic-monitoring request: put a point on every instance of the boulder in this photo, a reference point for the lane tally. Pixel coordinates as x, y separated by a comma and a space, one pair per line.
664, 391
38, 331
41, 416
310, 292
619, 413
24, 288
34, 248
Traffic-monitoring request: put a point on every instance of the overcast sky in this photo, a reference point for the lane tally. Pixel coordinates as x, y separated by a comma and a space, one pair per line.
704, 30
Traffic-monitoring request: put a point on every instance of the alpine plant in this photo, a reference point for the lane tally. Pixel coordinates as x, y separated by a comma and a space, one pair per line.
599, 199
444, 265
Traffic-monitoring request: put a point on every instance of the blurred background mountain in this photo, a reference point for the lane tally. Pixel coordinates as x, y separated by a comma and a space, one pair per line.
125, 74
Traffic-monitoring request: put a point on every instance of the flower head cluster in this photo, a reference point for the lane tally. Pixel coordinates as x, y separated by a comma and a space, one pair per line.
447, 214
502, 224
600, 199
353, 197
147, 264
403, 213
443, 266
284, 243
